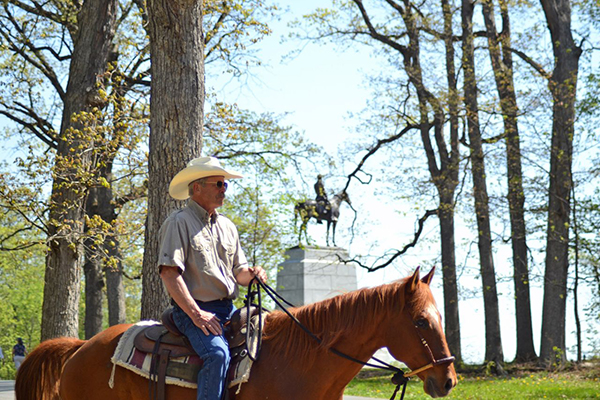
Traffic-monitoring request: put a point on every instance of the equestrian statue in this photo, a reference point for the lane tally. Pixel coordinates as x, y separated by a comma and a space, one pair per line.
321, 208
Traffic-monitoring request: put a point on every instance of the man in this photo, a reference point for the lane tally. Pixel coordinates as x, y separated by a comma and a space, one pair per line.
18, 353
201, 263
323, 205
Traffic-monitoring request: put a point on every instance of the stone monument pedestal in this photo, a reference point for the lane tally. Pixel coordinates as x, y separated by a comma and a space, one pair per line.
310, 274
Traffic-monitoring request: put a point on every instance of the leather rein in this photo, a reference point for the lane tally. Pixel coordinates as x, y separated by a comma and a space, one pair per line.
400, 378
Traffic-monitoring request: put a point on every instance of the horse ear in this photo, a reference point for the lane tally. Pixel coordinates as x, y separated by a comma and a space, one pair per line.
413, 281
427, 278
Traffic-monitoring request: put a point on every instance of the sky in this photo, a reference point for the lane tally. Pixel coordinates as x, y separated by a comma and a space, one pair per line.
321, 88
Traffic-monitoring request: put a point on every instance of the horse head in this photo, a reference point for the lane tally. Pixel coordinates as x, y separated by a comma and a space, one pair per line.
344, 197
423, 347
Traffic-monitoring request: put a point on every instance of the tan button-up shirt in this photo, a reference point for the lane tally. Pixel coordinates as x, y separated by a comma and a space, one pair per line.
206, 249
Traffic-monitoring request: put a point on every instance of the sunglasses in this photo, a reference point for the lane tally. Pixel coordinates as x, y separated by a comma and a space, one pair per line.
218, 184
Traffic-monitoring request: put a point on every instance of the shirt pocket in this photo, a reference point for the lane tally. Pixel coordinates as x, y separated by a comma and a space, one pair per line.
227, 253
200, 245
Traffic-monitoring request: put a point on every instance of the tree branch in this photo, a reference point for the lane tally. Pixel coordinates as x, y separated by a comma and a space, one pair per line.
398, 253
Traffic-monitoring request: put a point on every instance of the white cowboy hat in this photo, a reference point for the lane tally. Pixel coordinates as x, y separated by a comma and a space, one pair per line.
201, 167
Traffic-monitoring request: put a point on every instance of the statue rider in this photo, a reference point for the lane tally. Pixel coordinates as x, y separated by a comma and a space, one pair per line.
323, 206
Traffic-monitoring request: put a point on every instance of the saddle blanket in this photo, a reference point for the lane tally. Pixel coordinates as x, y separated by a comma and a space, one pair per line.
128, 357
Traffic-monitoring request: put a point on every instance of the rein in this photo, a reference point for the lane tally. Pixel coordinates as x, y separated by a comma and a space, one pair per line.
400, 378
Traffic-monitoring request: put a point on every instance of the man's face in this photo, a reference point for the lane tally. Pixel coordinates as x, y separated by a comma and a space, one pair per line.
211, 194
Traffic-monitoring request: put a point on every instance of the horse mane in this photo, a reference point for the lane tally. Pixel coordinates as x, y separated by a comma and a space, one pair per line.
333, 318
38, 377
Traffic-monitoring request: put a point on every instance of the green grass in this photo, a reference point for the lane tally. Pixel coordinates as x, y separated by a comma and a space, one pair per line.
583, 383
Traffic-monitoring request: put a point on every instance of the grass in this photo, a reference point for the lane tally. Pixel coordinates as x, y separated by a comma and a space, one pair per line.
581, 382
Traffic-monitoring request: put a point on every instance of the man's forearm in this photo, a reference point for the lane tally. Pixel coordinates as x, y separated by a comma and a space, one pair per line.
178, 290
246, 274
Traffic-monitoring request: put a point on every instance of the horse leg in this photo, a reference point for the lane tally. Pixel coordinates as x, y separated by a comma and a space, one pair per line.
304, 229
327, 236
333, 233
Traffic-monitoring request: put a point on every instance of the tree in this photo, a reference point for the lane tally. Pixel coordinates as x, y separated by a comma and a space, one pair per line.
562, 85
499, 45
493, 341
176, 123
89, 61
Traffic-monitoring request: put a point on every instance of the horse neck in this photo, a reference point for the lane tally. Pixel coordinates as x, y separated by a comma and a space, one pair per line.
351, 323
337, 200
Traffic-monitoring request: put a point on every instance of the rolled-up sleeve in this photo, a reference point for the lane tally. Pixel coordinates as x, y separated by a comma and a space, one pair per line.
173, 243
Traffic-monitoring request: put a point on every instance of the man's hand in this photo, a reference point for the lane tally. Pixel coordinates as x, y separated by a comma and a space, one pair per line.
246, 274
208, 323
259, 273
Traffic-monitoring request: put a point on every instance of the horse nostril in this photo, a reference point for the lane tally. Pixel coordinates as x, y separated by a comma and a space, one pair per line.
449, 385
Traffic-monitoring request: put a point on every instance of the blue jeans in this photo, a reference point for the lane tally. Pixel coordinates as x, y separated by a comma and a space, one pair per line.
212, 349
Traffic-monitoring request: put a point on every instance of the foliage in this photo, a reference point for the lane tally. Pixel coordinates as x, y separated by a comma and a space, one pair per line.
21, 288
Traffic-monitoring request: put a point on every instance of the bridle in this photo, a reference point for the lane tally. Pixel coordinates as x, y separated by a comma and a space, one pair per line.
400, 378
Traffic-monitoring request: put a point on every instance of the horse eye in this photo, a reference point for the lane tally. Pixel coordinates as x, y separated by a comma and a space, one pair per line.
422, 323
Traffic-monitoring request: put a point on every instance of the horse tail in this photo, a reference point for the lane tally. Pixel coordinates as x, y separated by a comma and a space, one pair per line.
38, 377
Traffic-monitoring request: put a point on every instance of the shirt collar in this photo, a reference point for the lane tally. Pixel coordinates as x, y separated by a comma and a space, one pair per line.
201, 212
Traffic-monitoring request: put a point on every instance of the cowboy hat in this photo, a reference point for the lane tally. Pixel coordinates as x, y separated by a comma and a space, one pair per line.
201, 167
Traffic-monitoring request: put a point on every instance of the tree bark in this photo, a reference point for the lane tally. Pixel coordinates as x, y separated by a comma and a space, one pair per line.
493, 342
91, 50
563, 85
177, 112
502, 65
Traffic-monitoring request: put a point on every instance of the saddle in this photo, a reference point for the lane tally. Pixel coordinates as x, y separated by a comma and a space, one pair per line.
166, 341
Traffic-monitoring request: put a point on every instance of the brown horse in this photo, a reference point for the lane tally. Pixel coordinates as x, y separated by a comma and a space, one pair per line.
401, 316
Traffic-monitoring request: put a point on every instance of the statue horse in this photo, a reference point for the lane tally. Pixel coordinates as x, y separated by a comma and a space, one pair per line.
401, 316
308, 209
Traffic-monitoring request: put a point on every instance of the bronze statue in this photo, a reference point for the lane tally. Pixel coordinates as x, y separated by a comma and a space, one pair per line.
325, 211
323, 207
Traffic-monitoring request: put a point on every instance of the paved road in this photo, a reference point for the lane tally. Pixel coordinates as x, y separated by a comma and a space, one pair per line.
7, 392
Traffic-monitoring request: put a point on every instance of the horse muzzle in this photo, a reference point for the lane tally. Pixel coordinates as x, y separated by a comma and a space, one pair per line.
436, 387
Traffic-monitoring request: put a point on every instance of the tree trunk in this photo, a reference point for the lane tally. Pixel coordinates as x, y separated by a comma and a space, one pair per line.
450, 284
501, 58
92, 47
115, 291
493, 346
177, 112
446, 183
563, 85
94, 282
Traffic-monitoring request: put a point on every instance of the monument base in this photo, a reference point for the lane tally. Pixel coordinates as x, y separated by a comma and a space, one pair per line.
310, 274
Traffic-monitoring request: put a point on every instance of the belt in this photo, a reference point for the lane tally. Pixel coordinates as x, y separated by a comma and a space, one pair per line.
219, 301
